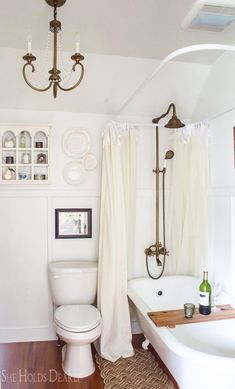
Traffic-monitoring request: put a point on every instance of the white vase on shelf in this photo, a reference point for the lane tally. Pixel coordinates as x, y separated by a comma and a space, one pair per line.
9, 143
9, 174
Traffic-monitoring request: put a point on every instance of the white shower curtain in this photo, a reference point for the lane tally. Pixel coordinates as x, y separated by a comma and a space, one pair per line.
116, 230
189, 216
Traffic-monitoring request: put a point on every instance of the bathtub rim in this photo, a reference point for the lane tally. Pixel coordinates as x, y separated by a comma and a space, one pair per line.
167, 336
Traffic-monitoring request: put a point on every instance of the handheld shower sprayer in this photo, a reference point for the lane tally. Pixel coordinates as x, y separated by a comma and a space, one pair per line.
158, 249
169, 154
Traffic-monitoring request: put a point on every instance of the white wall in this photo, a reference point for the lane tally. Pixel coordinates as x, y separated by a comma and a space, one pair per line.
27, 223
222, 194
27, 229
23, 289
217, 96
27, 212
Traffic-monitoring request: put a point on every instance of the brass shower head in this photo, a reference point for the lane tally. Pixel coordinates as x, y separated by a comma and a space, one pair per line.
174, 122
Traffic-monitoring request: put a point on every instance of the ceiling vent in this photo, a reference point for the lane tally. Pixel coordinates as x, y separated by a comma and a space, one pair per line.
212, 15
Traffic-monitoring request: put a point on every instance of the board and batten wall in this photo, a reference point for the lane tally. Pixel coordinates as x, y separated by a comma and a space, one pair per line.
27, 242
222, 195
27, 223
27, 230
217, 96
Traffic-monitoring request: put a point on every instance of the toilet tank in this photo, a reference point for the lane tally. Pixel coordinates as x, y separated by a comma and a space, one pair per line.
73, 282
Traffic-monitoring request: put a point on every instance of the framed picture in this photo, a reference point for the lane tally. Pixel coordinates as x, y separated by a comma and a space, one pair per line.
73, 223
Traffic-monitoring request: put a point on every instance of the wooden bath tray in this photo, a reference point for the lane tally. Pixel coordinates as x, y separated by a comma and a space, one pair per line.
175, 317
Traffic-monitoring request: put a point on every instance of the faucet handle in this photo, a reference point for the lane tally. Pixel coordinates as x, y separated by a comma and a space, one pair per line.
162, 250
150, 251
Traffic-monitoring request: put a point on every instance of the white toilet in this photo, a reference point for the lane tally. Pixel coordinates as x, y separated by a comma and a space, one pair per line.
77, 322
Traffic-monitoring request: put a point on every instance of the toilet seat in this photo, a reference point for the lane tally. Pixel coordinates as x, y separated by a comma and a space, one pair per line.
77, 318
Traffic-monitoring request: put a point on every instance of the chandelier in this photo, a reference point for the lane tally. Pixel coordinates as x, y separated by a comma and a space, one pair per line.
54, 74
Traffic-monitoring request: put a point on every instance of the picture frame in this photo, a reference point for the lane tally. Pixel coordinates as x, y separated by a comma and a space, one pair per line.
73, 223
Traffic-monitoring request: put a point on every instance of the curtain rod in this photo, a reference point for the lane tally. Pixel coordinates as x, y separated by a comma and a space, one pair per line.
168, 58
210, 118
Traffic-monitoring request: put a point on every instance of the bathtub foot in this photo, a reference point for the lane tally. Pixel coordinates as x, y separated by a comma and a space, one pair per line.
145, 344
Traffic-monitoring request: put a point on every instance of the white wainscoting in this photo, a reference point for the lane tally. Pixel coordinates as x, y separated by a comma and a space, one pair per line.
223, 233
27, 244
24, 300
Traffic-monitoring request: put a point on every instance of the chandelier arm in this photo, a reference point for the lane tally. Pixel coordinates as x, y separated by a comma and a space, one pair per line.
55, 78
77, 83
79, 63
29, 84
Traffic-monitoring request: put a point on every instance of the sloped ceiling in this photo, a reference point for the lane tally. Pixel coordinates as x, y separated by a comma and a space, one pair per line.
218, 92
123, 41
131, 28
108, 82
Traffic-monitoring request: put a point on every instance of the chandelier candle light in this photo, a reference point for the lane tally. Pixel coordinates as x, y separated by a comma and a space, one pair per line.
54, 78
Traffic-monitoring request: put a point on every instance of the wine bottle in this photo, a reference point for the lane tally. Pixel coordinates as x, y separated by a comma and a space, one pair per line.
205, 295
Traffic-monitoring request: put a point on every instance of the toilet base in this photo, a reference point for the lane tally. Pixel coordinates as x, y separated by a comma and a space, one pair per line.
77, 360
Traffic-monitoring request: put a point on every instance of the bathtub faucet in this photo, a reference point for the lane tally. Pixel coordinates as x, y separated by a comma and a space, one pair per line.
155, 251
159, 263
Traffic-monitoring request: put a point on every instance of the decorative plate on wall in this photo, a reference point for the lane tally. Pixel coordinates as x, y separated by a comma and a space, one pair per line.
90, 161
74, 172
76, 143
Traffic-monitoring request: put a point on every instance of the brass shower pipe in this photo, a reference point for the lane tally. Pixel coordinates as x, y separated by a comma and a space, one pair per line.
158, 248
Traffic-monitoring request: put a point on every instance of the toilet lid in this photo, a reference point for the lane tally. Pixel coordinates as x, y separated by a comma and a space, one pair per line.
77, 318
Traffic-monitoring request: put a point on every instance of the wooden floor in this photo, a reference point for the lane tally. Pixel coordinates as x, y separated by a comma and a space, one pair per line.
37, 365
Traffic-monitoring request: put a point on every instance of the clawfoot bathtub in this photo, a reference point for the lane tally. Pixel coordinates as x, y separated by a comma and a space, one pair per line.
199, 356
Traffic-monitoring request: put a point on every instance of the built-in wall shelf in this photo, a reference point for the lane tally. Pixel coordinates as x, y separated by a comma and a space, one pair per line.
24, 153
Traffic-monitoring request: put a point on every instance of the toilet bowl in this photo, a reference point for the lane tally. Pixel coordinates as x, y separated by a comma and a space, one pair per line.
78, 326
77, 322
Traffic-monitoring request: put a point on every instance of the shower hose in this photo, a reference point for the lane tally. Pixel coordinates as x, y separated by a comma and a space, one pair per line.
164, 235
